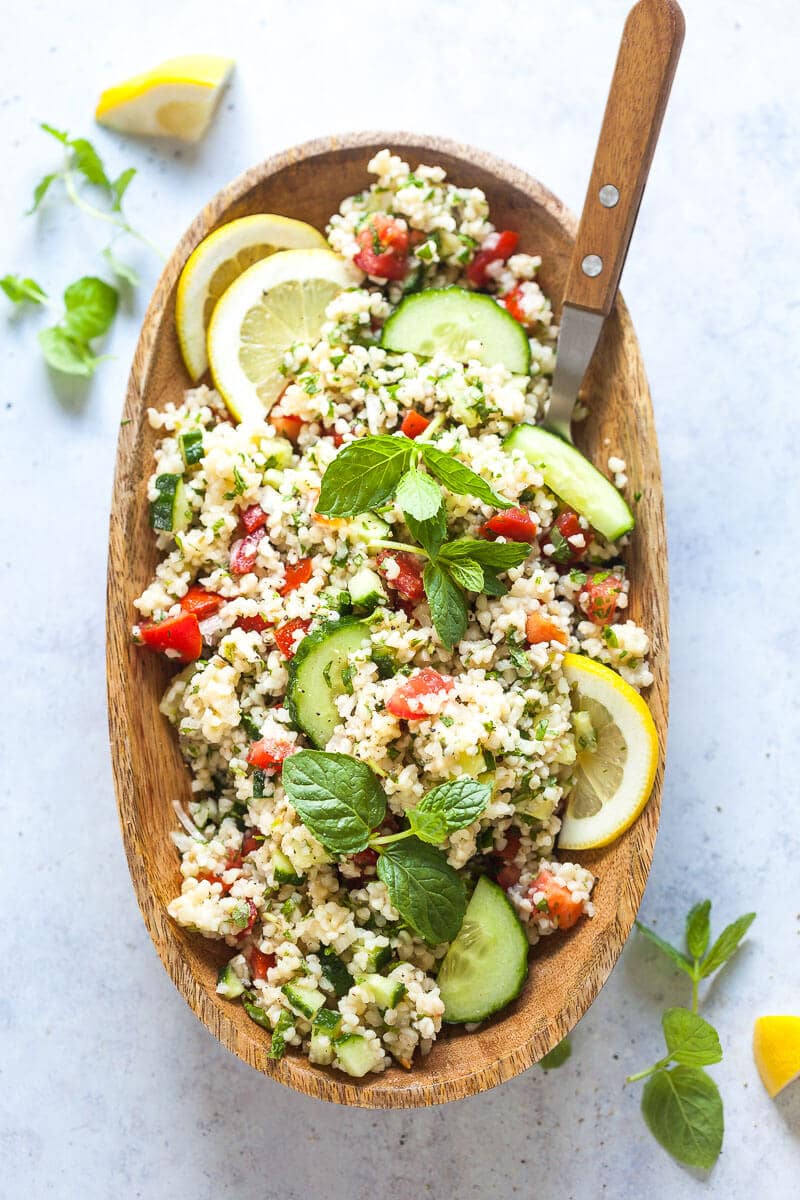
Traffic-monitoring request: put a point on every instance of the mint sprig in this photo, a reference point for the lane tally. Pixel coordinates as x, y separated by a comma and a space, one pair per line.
90, 305
681, 1103
23, 290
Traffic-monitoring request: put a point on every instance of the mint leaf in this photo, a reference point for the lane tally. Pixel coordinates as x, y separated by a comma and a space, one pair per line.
726, 944
459, 478
364, 473
91, 305
424, 888
428, 825
418, 495
467, 574
20, 290
683, 1111
447, 604
460, 801
41, 189
680, 960
690, 1040
120, 269
88, 162
698, 929
119, 186
431, 533
557, 1056
59, 134
499, 556
493, 586
66, 354
338, 798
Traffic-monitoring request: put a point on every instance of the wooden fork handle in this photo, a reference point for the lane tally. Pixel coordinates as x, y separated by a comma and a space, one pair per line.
648, 56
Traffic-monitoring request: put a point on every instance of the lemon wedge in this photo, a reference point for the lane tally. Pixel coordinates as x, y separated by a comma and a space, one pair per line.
176, 99
617, 755
220, 259
776, 1049
275, 303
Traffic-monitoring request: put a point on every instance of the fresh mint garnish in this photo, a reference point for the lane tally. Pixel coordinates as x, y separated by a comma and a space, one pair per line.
424, 888
20, 291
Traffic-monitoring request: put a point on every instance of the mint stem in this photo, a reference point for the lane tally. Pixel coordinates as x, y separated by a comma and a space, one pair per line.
111, 218
663, 1062
695, 987
385, 544
389, 837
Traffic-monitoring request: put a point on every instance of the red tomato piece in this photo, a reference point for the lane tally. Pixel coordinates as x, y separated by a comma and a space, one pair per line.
295, 574
253, 518
286, 424
514, 524
406, 701
202, 603
513, 302
244, 552
251, 841
255, 624
561, 904
408, 583
599, 596
383, 248
498, 246
212, 878
508, 875
567, 526
511, 848
539, 628
260, 963
284, 635
413, 424
268, 753
180, 634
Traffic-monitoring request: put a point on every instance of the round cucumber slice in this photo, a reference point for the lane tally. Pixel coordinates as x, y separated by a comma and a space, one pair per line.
315, 677
487, 964
574, 479
448, 319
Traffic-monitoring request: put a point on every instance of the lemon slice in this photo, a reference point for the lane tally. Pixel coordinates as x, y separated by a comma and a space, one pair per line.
776, 1049
176, 99
617, 748
275, 303
219, 259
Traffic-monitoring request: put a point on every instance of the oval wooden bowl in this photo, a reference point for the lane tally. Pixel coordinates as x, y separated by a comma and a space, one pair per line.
566, 972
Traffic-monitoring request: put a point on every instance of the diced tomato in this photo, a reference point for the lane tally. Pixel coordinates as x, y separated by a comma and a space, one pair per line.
599, 597
212, 878
284, 635
251, 920
365, 858
244, 552
251, 841
260, 963
295, 574
202, 603
567, 526
413, 424
337, 437
181, 635
508, 875
511, 848
496, 247
383, 249
513, 302
561, 904
255, 624
514, 524
539, 628
286, 424
268, 753
408, 582
253, 518
405, 702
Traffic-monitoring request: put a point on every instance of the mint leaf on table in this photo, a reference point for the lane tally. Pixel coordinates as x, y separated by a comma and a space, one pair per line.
338, 798
447, 604
459, 478
726, 944
557, 1056
690, 1039
66, 354
88, 162
698, 929
364, 474
91, 305
121, 269
678, 957
21, 290
41, 190
460, 801
424, 888
119, 187
683, 1110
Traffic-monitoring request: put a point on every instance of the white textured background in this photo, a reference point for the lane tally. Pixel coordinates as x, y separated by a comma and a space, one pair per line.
110, 1087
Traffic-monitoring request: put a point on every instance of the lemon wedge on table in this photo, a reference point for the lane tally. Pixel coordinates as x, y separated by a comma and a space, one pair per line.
274, 304
776, 1049
617, 748
176, 99
220, 259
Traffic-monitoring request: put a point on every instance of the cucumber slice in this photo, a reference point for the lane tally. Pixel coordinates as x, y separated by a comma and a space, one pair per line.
376, 956
335, 971
328, 1021
283, 870
368, 527
386, 993
448, 319
304, 999
573, 478
487, 964
315, 677
366, 589
354, 1055
228, 983
169, 512
191, 446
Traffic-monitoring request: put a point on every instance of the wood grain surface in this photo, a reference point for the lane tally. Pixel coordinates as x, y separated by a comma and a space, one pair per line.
567, 971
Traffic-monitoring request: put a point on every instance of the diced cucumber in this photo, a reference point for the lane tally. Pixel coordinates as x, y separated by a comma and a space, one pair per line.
228, 982
366, 589
487, 964
475, 764
315, 677
259, 779
337, 600
449, 319
574, 479
386, 993
191, 446
283, 870
169, 512
328, 1021
376, 956
354, 1055
277, 1046
335, 971
304, 998
279, 453
254, 1011
368, 528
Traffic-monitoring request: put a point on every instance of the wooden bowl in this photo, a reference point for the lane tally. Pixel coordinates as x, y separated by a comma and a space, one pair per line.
567, 971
